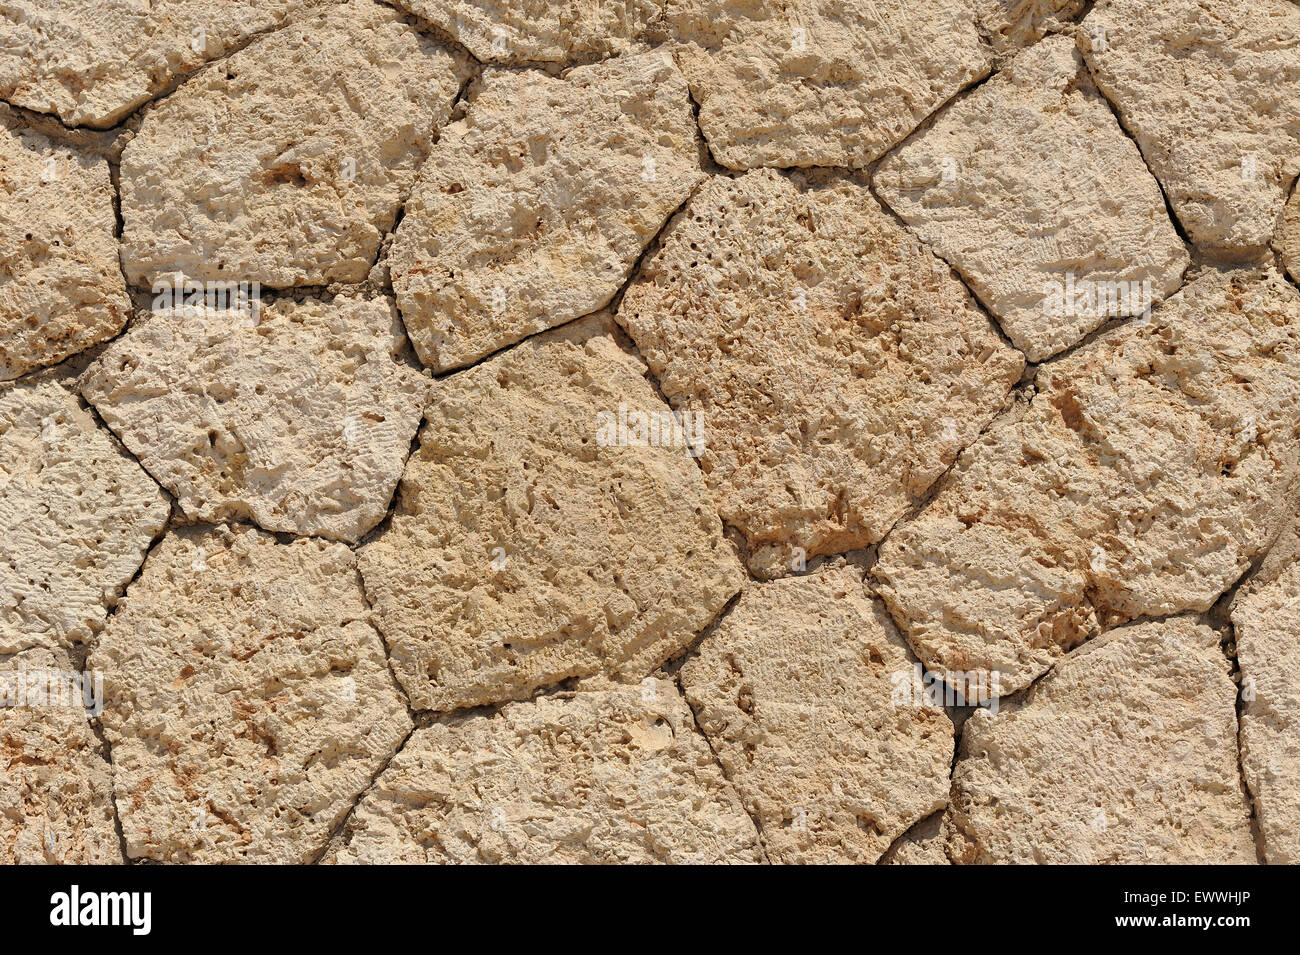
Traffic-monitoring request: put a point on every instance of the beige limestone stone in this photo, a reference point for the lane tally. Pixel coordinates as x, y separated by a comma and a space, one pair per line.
796, 690
524, 549
78, 516
1210, 89
838, 364
1142, 480
60, 286
1032, 191
600, 777
1286, 241
533, 209
1266, 622
1126, 753
248, 698
301, 421
56, 790
287, 163
1009, 25
923, 844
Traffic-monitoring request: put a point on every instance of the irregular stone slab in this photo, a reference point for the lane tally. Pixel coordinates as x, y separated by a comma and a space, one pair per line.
839, 366
288, 164
796, 690
1266, 622
526, 548
91, 62
56, 788
1142, 480
60, 286
613, 776
1214, 106
249, 702
1032, 191
78, 515
922, 845
1009, 25
824, 82
302, 422
500, 241
1126, 753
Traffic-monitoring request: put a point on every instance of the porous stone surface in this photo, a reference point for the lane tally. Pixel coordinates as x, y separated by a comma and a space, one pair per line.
249, 699
1266, 622
532, 210
296, 415
1032, 191
55, 789
1210, 89
1125, 754
525, 548
1286, 241
1009, 25
78, 516
1142, 480
797, 690
838, 364
923, 844
597, 777
288, 162
60, 287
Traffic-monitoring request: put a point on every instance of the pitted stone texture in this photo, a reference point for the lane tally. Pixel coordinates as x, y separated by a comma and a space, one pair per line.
1126, 753
923, 845
796, 690
1267, 626
821, 82
249, 702
1142, 480
302, 422
522, 552
610, 776
1287, 239
55, 785
533, 210
78, 516
60, 286
287, 164
1032, 191
838, 365
1011, 24
1210, 89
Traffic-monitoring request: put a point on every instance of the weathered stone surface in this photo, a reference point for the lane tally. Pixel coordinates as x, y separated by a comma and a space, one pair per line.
1210, 89
611, 776
923, 845
523, 551
839, 366
56, 790
60, 286
1266, 622
823, 82
796, 691
533, 210
1032, 191
288, 163
1142, 480
1286, 241
78, 516
302, 421
1126, 753
1011, 24
248, 699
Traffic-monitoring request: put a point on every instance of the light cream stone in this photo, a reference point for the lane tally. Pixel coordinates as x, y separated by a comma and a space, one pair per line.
301, 421
523, 550
533, 210
287, 163
1142, 480
60, 286
617, 776
249, 702
1267, 623
798, 692
78, 516
56, 790
1009, 25
1286, 241
1032, 191
923, 844
1210, 89
839, 366
1126, 753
